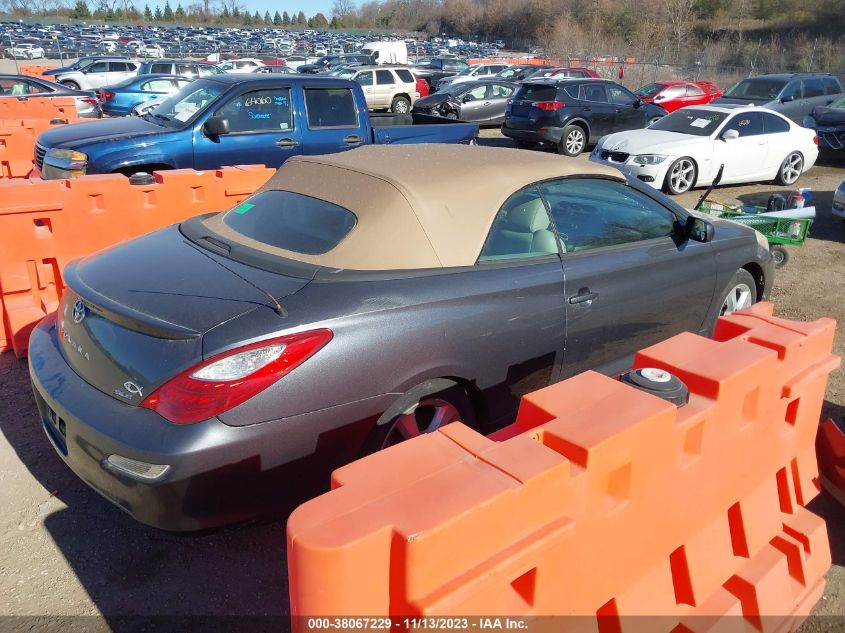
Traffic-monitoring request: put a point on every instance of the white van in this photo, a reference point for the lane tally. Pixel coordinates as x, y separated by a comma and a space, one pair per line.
385, 52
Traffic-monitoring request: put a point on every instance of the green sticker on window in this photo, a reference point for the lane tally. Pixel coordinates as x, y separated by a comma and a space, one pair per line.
243, 208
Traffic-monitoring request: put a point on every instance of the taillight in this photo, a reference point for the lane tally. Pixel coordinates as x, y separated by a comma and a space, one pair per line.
816, 139
89, 100
105, 95
549, 106
231, 378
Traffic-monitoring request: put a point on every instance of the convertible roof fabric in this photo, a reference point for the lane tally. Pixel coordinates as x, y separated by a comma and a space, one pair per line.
418, 206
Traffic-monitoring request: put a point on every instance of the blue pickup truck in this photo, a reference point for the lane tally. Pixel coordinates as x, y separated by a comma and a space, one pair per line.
234, 120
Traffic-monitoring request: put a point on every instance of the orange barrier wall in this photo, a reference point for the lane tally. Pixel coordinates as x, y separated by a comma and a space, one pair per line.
38, 108
17, 143
830, 449
600, 501
33, 71
46, 224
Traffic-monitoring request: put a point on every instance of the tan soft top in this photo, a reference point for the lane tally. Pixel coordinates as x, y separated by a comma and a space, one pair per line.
418, 206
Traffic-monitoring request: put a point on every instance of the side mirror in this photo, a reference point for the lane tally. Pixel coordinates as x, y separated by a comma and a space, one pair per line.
730, 135
638, 103
787, 99
215, 126
699, 230
467, 98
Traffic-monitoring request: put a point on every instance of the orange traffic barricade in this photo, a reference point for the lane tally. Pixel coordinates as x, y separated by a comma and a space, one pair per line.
17, 143
46, 224
602, 500
33, 71
38, 108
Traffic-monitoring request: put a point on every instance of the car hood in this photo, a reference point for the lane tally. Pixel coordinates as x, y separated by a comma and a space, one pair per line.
432, 100
651, 141
829, 116
83, 134
748, 102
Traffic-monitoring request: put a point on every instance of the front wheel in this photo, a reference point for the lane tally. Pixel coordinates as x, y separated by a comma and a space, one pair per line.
424, 409
681, 176
572, 141
71, 84
741, 293
400, 105
790, 169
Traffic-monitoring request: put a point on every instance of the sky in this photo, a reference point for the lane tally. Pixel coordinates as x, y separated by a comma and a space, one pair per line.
309, 7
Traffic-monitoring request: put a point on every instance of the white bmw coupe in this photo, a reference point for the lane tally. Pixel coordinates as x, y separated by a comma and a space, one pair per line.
686, 148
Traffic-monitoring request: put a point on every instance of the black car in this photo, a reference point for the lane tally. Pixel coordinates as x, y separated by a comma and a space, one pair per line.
328, 62
574, 113
437, 69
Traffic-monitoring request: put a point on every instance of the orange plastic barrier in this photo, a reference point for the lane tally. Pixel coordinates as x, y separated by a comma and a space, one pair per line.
17, 143
600, 501
38, 108
830, 449
46, 224
33, 71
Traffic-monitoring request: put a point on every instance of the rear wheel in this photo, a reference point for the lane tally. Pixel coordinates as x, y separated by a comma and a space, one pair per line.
780, 255
790, 169
572, 141
681, 176
71, 84
424, 409
400, 105
451, 114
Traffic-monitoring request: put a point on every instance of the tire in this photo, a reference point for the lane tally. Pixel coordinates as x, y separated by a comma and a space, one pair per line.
790, 169
740, 293
400, 105
573, 141
681, 176
780, 256
423, 409
451, 115
71, 84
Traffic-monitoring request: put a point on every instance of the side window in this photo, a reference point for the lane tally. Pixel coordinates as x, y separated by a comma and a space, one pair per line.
365, 78
160, 69
180, 83
405, 76
813, 87
694, 91
499, 91
673, 92
98, 67
479, 92
330, 107
591, 213
259, 111
747, 124
774, 124
384, 77
620, 96
593, 92
831, 86
117, 67
521, 230
186, 69
157, 85
793, 89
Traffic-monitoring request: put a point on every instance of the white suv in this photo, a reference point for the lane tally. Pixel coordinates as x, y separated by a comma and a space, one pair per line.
26, 51
385, 87
99, 74
240, 65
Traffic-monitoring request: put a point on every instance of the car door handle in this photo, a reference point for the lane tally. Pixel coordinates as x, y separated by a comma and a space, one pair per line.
587, 109
287, 142
352, 140
584, 296
762, 142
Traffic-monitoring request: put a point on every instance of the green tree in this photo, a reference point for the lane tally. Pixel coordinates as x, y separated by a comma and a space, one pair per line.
148, 15
80, 10
224, 15
118, 14
168, 12
334, 24
256, 18
180, 13
285, 19
109, 14
320, 21
236, 11
158, 15
247, 20
300, 18
268, 21
277, 19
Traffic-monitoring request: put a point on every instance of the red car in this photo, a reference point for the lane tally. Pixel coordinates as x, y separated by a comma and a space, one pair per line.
422, 86
673, 95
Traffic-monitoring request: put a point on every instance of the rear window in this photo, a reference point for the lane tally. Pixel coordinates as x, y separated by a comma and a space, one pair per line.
291, 221
831, 86
537, 92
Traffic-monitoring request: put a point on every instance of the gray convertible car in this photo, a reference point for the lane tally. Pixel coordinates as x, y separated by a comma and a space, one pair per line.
199, 374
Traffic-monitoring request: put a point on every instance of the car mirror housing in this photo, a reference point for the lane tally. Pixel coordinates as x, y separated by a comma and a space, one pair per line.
787, 99
699, 230
730, 135
215, 126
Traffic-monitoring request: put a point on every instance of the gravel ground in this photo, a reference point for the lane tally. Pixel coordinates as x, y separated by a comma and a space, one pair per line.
64, 551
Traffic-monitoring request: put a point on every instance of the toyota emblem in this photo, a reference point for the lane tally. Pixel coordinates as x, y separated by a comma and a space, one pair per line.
78, 312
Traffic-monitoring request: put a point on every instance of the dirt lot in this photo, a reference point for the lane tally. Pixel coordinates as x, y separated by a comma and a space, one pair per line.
64, 551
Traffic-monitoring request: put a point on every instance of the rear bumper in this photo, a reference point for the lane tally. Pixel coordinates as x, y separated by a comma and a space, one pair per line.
540, 135
217, 473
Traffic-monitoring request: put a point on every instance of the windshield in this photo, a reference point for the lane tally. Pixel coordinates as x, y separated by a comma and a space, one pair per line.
760, 89
456, 90
82, 63
345, 73
181, 108
649, 91
690, 121
466, 71
839, 103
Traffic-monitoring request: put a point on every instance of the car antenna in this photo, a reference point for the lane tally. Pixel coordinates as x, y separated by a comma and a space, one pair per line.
710, 189
277, 307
